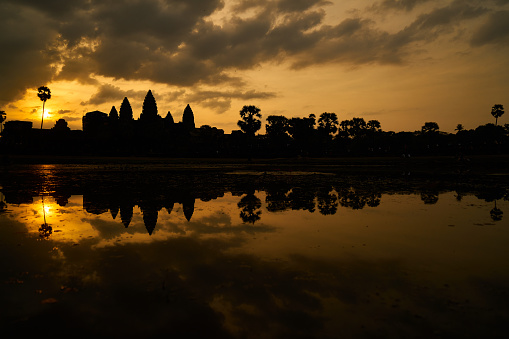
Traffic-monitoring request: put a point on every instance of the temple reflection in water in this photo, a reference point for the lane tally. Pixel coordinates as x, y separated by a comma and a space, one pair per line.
142, 252
119, 193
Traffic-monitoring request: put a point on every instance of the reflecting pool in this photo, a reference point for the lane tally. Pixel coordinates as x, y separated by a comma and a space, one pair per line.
137, 252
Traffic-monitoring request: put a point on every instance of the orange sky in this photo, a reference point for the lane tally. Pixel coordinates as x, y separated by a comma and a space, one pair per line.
402, 62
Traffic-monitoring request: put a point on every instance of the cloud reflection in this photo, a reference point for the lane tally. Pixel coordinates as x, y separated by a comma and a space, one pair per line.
194, 262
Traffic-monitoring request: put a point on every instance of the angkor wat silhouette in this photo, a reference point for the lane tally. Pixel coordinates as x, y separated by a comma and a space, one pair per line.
118, 133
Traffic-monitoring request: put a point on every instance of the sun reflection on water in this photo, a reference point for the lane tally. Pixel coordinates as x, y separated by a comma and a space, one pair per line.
336, 256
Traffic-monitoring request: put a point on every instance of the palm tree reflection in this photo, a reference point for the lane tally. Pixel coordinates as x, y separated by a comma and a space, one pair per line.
45, 230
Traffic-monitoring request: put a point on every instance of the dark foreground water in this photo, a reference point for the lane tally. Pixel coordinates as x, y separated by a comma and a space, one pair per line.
98, 251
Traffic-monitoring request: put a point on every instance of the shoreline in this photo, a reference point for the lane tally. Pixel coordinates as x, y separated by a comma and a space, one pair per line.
479, 164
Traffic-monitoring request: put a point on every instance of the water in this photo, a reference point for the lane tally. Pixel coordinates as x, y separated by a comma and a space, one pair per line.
112, 251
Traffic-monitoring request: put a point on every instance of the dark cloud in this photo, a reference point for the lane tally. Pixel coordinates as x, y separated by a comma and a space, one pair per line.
23, 60
108, 93
174, 42
175, 95
405, 5
67, 115
299, 5
221, 101
70, 118
359, 41
279, 5
495, 29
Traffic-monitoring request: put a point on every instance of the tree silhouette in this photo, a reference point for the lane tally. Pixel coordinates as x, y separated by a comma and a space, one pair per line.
429, 127
497, 111
277, 131
302, 131
250, 121
358, 127
328, 123
277, 127
373, 125
353, 128
250, 206
2, 119
44, 94
459, 128
327, 201
429, 198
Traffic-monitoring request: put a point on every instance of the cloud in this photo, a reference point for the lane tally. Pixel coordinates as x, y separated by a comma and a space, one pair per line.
404, 5
221, 101
278, 5
109, 93
175, 42
495, 29
24, 62
70, 118
67, 115
360, 41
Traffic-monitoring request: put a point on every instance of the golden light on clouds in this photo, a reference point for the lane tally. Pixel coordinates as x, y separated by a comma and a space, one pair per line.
400, 62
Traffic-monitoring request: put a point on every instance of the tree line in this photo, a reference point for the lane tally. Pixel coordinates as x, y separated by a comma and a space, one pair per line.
327, 136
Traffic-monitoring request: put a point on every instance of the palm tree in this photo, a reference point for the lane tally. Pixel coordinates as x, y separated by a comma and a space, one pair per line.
2, 119
250, 123
44, 94
497, 111
328, 123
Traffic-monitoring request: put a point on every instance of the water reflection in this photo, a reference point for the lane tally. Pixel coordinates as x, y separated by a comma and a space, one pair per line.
120, 197
249, 207
496, 213
45, 230
227, 256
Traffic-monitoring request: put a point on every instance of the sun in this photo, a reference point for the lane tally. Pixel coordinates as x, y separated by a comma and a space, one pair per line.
47, 113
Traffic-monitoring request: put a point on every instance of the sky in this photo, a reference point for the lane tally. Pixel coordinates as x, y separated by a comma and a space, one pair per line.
401, 62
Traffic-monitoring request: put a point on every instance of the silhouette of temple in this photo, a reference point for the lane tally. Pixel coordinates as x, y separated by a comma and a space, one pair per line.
99, 123
119, 133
